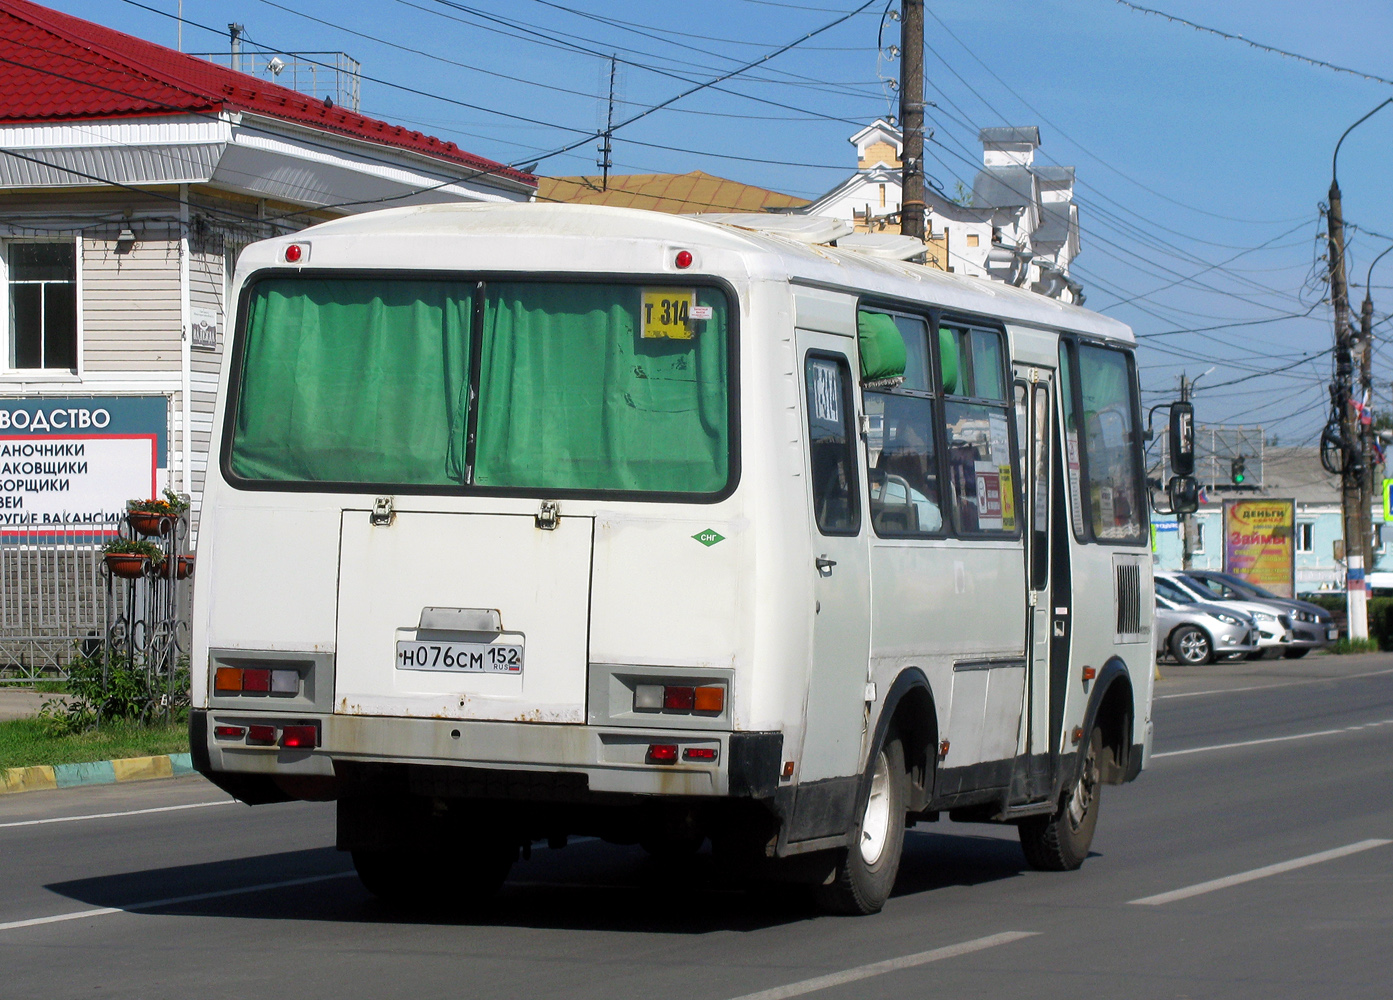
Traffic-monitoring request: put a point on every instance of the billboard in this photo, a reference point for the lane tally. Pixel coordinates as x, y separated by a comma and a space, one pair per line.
69, 463
1260, 543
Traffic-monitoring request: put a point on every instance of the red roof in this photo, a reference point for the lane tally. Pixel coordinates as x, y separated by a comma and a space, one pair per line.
55, 67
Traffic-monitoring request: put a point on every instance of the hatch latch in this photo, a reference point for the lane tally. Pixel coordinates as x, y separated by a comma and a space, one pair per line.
548, 515
383, 513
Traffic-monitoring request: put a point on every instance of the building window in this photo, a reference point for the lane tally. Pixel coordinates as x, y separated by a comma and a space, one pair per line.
972, 239
1377, 542
1197, 538
1305, 532
42, 289
882, 196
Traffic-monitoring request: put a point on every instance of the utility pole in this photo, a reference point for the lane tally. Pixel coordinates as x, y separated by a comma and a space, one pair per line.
1366, 431
1186, 552
605, 146
912, 118
1341, 397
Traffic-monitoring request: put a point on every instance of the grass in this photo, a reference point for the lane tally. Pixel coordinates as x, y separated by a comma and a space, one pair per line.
1355, 646
23, 743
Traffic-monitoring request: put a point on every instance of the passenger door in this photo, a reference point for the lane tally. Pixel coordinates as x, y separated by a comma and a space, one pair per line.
1035, 415
838, 672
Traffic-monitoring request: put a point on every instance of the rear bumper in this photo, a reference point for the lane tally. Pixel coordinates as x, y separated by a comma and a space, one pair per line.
600, 760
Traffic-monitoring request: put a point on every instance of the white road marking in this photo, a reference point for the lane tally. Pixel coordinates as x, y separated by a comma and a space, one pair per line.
155, 904
1269, 687
1272, 739
112, 815
1257, 873
889, 965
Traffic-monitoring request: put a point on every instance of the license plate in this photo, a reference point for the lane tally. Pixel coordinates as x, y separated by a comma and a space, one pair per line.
1332, 634
464, 657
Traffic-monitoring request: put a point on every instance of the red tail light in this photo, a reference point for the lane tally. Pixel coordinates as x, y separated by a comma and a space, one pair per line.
229, 732
679, 698
261, 735
256, 680
702, 755
303, 737
662, 753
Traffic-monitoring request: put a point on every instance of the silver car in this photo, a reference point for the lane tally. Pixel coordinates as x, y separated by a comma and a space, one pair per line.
1274, 626
1312, 626
1196, 634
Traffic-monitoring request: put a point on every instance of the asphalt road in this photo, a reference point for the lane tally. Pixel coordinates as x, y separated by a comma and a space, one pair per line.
1252, 859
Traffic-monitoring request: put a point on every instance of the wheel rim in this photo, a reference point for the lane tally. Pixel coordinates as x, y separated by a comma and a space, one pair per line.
875, 824
1194, 647
1081, 799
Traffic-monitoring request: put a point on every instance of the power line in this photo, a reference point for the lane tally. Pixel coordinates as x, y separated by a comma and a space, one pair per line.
1257, 45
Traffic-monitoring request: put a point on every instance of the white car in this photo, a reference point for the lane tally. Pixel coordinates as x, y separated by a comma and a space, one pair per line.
1274, 628
1197, 634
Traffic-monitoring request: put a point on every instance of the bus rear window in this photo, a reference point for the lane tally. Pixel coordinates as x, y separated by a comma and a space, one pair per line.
361, 382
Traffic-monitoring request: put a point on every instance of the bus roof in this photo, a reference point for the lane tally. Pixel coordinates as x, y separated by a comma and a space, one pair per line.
767, 255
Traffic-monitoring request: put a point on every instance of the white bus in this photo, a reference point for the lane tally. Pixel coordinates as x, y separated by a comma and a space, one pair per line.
532, 521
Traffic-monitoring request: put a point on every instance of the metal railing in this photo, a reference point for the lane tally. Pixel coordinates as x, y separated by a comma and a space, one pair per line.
53, 597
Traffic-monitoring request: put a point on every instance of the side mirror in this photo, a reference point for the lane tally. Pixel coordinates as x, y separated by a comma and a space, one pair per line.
1182, 439
1184, 494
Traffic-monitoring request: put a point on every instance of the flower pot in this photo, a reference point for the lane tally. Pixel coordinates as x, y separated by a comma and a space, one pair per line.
127, 565
148, 523
184, 568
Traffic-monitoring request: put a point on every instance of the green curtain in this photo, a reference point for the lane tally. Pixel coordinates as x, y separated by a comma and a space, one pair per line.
355, 381
571, 396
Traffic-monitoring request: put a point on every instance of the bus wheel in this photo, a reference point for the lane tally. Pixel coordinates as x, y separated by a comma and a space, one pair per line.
1060, 843
434, 879
866, 871
1191, 646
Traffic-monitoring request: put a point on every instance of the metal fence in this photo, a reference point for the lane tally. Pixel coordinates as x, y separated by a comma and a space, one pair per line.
53, 597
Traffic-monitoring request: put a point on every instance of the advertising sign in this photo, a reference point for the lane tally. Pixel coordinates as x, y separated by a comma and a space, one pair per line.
69, 463
1260, 543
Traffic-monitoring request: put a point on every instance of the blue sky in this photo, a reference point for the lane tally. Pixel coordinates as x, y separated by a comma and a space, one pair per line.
1201, 161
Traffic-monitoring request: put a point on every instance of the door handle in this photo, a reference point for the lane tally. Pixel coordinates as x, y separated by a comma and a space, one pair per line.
824, 565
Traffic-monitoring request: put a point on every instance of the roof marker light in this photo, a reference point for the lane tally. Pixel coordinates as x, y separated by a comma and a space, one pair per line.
684, 259
293, 253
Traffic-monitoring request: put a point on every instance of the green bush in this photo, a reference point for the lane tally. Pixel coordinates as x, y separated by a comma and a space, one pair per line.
1355, 646
124, 690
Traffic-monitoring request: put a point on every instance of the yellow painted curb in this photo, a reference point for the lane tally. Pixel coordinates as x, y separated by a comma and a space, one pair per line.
142, 768
28, 779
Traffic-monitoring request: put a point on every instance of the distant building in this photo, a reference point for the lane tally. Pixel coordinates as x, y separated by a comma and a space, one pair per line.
130, 177
678, 194
1018, 225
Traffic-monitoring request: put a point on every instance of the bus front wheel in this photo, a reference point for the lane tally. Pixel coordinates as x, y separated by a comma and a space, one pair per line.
866, 872
1060, 843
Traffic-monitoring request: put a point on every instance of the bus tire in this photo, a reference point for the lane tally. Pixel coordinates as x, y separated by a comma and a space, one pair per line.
1060, 843
1191, 646
435, 880
866, 870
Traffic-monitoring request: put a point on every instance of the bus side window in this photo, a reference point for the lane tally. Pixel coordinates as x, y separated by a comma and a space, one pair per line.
836, 501
981, 466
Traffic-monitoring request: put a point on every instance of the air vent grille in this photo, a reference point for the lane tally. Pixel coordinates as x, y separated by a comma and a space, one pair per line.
1128, 598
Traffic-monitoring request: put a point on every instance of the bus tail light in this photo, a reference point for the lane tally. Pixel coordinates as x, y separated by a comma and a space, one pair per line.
702, 755
264, 736
227, 679
300, 737
662, 753
679, 698
229, 732
257, 681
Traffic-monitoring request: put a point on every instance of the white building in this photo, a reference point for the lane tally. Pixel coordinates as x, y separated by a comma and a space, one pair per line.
1020, 224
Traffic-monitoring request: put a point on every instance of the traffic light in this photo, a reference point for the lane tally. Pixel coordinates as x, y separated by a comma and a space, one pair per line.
1238, 474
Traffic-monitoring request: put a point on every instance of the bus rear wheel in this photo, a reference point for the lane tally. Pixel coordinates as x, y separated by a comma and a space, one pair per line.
1060, 843
866, 871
